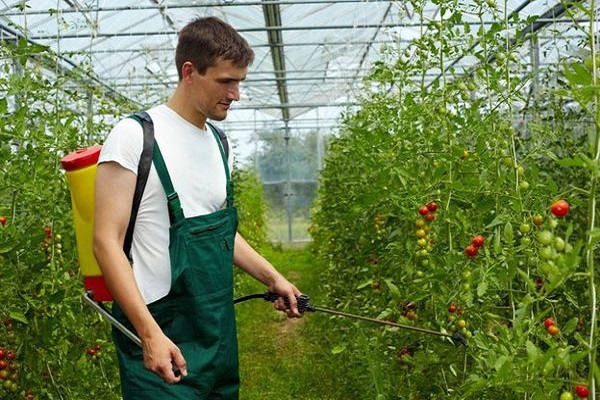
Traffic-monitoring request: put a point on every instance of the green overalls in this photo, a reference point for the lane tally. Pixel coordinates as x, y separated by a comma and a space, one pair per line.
197, 314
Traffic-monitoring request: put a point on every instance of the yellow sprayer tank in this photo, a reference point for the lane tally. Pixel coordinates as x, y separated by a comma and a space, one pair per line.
80, 167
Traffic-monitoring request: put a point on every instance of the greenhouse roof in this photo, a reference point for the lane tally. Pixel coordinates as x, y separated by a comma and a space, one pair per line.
311, 55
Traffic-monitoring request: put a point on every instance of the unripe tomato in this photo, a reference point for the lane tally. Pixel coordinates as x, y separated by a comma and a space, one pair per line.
420, 233
545, 237
471, 250
547, 253
432, 206
548, 322
553, 330
478, 241
559, 243
525, 228
582, 391
423, 210
420, 223
537, 220
566, 396
560, 208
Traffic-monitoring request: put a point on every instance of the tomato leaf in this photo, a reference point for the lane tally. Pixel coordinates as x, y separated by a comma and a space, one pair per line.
394, 291
18, 316
340, 348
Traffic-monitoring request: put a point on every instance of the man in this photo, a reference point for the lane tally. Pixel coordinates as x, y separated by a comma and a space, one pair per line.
177, 294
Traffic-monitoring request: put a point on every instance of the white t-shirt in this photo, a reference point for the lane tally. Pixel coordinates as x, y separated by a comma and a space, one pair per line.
194, 162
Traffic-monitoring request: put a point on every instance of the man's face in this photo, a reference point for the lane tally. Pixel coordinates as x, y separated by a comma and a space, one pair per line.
214, 91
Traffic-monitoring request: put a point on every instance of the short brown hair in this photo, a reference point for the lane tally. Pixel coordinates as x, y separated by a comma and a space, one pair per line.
206, 40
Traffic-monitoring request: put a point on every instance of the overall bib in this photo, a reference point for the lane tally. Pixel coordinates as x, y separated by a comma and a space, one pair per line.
197, 314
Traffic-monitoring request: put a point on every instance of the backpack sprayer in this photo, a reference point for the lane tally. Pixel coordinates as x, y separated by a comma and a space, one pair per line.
80, 167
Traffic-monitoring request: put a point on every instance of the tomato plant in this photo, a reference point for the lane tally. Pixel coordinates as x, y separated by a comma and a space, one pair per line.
530, 262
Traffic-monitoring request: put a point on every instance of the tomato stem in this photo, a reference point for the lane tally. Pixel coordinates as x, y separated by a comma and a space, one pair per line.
592, 209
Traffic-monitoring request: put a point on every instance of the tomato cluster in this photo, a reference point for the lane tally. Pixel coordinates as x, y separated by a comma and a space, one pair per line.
473, 248
410, 311
8, 370
427, 215
551, 327
379, 222
581, 391
403, 353
456, 321
95, 351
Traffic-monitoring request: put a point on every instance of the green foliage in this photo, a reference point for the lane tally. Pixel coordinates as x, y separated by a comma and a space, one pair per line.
251, 206
45, 324
461, 141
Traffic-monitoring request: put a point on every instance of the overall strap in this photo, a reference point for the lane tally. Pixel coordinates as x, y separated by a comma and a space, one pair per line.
221, 139
173, 202
142, 175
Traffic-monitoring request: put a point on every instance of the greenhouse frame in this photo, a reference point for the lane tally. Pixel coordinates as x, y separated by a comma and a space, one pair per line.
427, 170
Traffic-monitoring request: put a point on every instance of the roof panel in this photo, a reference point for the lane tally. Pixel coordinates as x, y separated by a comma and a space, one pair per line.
328, 46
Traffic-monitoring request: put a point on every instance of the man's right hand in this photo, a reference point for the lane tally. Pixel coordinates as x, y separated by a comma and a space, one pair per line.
164, 358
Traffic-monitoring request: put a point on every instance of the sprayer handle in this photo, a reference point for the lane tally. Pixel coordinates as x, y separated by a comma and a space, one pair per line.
303, 301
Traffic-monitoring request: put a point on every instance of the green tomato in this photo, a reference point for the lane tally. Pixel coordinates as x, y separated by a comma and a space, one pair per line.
547, 253
525, 228
545, 237
559, 243
566, 396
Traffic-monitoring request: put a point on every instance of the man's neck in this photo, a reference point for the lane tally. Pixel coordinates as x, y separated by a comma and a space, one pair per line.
182, 107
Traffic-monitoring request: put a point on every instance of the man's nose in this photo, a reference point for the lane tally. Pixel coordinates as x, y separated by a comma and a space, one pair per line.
234, 92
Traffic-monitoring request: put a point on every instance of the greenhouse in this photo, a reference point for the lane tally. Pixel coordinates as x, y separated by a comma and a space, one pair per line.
425, 171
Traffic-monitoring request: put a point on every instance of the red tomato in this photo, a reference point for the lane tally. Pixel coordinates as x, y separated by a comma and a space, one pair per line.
2, 220
582, 391
452, 308
560, 208
423, 210
471, 250
432, 206
430, 217
478, 241
548, 322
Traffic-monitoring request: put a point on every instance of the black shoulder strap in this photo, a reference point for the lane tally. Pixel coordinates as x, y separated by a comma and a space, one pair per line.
142, 175
222, 136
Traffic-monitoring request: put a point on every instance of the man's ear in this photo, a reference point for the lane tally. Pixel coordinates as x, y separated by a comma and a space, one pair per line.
186, 70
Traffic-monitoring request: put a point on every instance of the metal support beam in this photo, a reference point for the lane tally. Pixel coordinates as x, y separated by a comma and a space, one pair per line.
272, 15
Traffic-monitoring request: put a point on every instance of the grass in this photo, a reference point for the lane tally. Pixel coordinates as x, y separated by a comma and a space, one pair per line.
285, 358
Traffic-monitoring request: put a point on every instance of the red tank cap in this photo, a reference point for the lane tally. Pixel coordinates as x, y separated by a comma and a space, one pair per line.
81, 158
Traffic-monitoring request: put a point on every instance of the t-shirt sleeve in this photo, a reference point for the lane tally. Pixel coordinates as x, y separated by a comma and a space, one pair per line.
124, 145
